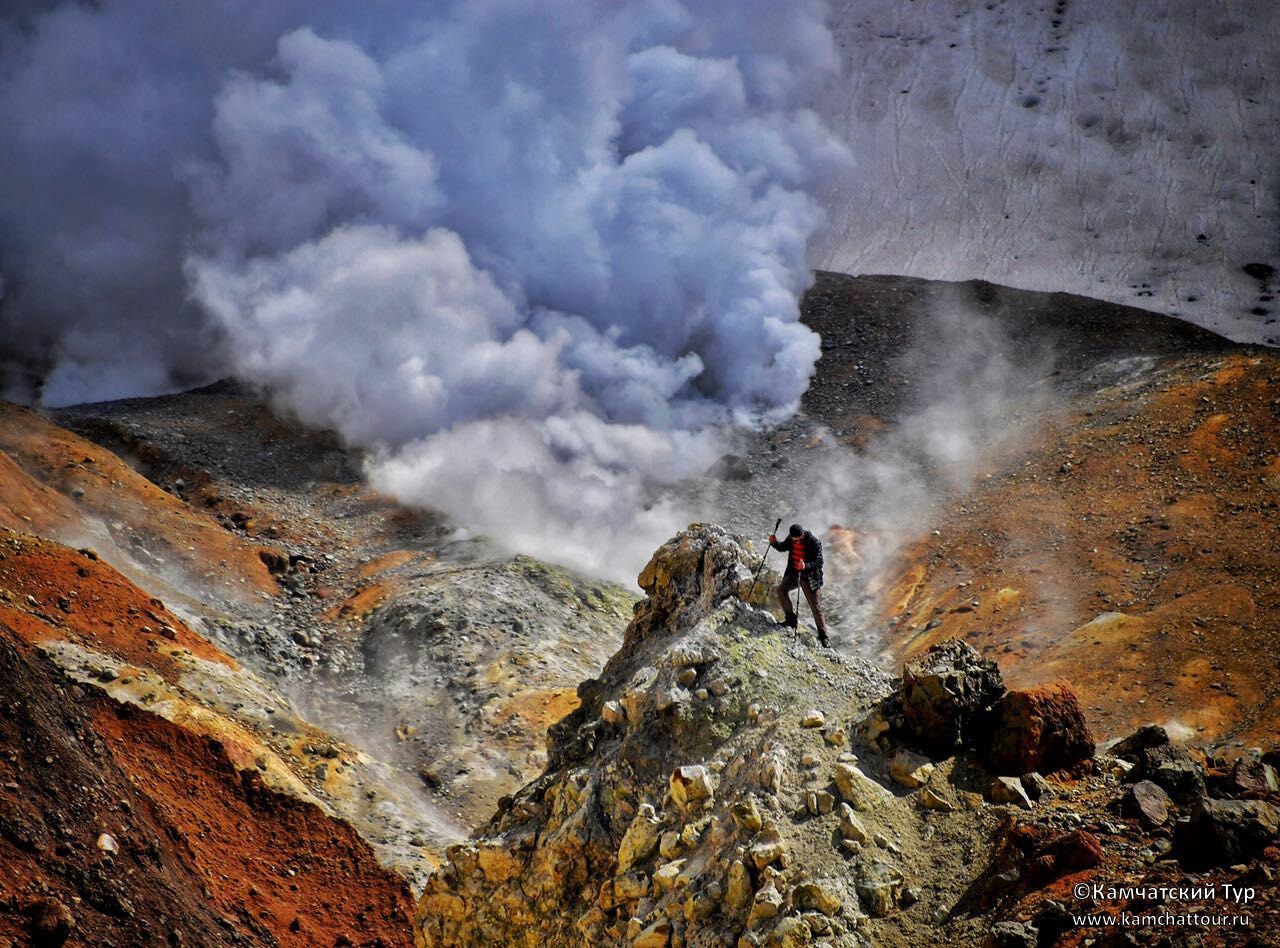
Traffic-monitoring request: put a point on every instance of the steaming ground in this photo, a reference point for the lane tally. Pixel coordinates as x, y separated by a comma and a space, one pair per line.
923, 388
446, 656
590, 239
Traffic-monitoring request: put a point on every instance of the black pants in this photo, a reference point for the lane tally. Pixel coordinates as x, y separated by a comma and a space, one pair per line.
790, 581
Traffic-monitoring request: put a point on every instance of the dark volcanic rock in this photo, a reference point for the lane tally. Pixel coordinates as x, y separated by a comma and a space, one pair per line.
730, 467
1042, 729
1147, 802
946, 695
1156, 758
1253, 776
1012, 935
1224, 832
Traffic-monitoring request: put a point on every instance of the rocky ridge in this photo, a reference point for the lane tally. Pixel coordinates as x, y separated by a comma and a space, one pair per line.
725, 783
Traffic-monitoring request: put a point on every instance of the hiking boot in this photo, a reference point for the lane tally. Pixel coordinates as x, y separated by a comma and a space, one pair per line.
791, 622
823, 640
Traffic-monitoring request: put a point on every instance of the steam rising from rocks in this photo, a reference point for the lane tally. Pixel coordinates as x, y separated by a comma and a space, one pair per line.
531, 255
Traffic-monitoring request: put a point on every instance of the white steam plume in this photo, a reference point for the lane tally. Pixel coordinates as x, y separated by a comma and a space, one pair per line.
531, 254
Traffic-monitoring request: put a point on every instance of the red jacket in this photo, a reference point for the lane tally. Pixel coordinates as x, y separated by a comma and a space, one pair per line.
812, 558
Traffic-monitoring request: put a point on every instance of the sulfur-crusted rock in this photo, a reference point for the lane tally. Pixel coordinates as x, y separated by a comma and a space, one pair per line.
688, 576
815, 896
630, 886
690, 786
707, 824
768, 849
1041, 729
497, 861
857, 789
613, 712
667, 875
931, 799
747, 815
657, 935
790, 933
851, 827
946, 695
738, 886
813, 718
641, 838
879, 885
766, 904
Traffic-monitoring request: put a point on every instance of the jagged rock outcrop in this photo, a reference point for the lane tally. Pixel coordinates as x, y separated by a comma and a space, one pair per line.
947, 695
675, 810
1222, 832
717, 786
1155, 757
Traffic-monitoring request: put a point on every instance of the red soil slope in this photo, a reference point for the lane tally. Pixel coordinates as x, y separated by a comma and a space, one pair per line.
207, 854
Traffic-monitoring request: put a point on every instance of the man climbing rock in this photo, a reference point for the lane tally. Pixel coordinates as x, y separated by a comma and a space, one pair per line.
804, 569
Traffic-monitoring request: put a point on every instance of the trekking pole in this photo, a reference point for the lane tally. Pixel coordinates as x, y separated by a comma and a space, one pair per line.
760, 568
799, 599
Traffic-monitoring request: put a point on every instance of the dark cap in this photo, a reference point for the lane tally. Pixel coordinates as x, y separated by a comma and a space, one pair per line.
796, 530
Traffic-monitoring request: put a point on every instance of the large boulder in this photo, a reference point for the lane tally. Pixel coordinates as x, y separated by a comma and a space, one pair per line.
1042, 729
947, 694
1155, 757
1225, 832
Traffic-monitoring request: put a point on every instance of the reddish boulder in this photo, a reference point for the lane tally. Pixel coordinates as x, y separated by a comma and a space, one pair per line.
1037, 858
1042, 729
1063, 856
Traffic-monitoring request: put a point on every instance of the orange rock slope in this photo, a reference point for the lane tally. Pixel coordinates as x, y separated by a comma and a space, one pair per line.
1132, 545
56, 484
137, 829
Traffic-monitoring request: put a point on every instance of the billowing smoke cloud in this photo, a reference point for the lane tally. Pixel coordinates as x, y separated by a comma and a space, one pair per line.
530, 254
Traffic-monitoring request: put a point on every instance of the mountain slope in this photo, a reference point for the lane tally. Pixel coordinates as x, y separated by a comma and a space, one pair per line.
724, 782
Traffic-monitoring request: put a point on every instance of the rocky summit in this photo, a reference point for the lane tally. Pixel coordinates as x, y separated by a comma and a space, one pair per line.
725, 782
